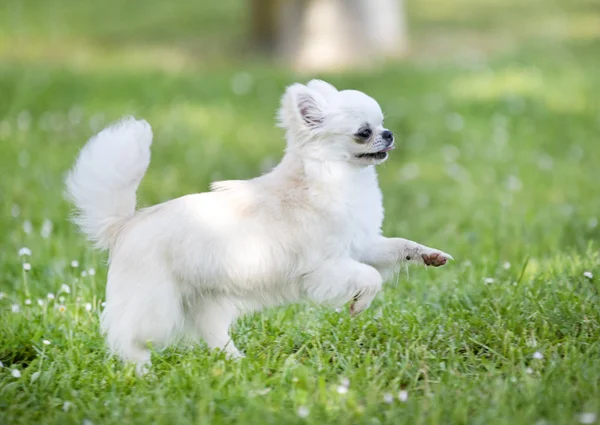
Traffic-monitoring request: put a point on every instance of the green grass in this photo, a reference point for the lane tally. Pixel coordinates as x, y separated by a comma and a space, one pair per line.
497, 164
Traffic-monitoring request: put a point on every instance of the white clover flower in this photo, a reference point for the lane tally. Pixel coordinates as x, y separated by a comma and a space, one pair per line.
529, 371
15, 308
92, 272
514, 184
15, 373
65, 288
506, 265
27, 226
488, 280
26, 267
2, 295
388, 398
15, 211
40, 302
66, 406
46, 230
24, 251
403, 396
587, 418
88, 307
87, 422
264, 391
27, 301
50, 296
45, 342
341, 389
74, 264
83, 273
303, 411
538, 356
589, 275
345, 382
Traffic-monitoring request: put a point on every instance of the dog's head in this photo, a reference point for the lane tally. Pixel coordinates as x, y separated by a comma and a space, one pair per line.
327, 124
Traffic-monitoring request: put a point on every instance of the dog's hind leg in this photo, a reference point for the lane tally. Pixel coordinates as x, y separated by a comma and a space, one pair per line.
137, 354
143, 309
210, 320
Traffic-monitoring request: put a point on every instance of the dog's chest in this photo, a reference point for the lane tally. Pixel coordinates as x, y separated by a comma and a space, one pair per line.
355, 213
364, 216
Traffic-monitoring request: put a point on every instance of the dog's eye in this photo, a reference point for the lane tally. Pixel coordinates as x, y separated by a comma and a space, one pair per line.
364, 134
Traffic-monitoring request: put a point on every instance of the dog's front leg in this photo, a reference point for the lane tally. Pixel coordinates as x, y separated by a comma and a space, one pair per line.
387, 254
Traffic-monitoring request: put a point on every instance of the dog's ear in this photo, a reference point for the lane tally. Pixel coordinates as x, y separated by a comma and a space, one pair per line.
302, 108
324, 88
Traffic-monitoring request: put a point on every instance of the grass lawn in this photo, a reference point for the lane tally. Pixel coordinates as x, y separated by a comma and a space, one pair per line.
498, 164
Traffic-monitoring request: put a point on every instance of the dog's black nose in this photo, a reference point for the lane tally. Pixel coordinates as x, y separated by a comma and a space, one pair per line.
388, 136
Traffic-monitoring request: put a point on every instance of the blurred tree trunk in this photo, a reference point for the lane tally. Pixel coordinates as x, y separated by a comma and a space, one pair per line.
324, 35
264, 24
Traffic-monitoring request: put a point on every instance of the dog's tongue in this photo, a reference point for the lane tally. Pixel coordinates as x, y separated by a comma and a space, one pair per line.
389, 148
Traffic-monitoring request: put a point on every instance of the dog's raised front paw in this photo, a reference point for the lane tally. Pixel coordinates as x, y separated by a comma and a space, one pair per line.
436, 258
363, 300
358, 306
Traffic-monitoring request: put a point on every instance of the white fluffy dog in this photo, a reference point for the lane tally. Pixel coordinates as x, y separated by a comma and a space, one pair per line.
308, 230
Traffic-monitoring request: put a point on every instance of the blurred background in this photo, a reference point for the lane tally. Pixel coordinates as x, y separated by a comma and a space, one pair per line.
494, 103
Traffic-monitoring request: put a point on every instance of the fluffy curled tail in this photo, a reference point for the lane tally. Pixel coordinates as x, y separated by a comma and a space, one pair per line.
103, 181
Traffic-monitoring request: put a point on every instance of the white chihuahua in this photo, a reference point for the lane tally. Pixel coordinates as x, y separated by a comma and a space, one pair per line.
308, 230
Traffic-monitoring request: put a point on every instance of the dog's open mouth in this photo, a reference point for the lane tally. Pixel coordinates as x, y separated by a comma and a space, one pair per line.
382, 154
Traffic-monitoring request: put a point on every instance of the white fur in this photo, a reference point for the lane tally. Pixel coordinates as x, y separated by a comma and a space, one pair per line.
308, 230
103, 182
